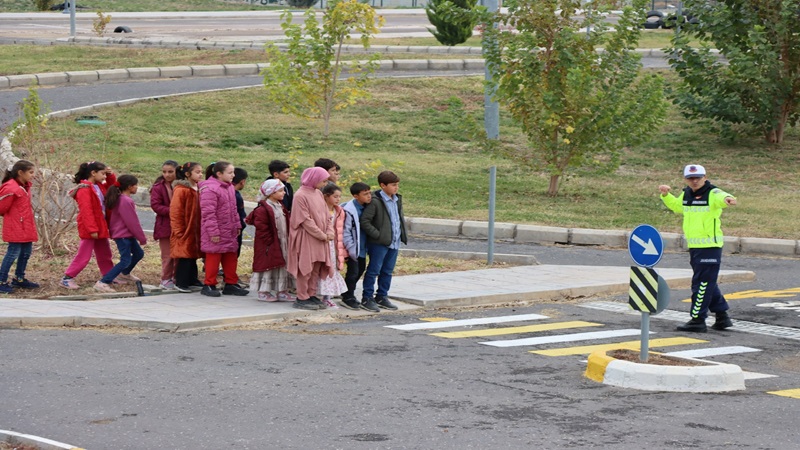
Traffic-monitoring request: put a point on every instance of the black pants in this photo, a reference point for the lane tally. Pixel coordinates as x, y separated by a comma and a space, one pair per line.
706, 295
185, 272
355, 269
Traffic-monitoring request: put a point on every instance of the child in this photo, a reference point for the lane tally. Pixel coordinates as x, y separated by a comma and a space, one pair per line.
310, 230
355, 242
334, 284
281, 171
383, 223
219, 228
184, 219
239, 180
19, 224
270, 245
160, 200
125, 229
332, 168
93, 179
701, 204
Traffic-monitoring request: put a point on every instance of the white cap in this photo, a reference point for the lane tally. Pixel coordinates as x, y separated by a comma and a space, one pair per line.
694, 170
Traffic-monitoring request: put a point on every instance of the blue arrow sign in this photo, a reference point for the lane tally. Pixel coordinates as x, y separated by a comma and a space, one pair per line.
645, 246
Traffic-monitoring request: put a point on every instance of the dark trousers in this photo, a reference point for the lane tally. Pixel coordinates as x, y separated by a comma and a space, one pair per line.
19, 252
381, 266
706, 295
354, 271
130, 253
185, 272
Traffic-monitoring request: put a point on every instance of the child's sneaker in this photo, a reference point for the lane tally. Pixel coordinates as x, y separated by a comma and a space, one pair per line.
266, 297
167, 285
285, 296
103, 287
6, 288
128, 278
329, 302
68, 283
24, 283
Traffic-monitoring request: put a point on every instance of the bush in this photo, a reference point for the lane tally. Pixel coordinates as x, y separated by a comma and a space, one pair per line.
301, 3
43, 5
453, 20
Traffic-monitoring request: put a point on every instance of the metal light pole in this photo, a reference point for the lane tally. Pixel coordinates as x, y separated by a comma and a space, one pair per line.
491, 110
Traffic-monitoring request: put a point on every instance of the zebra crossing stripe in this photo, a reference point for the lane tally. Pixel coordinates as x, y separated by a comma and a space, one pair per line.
517, 330
628, 345
793, 393
563, 338
716, 351
435, 319
466, 322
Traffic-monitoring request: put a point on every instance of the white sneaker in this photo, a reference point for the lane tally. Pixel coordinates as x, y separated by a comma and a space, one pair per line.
167, 285
102, 287
329, 302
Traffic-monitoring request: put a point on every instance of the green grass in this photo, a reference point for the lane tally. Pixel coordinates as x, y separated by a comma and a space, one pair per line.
408, 127
138, 5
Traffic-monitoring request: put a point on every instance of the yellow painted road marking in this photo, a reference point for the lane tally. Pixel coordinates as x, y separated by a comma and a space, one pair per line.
783, 293
435, 319
628, 345
517, 330
793, 393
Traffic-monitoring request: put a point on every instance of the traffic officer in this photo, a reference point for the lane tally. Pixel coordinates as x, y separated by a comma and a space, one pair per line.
701, 204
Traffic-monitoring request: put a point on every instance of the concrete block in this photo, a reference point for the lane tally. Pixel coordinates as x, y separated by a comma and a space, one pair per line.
209, 71
385, 64
480, 230
672, 241
474, 64
438, 227
241, 69
51, 78
83, 76
176, 72
588, 236
475, 50
381, 48
732, 245
198, 44
458, 50
543, 235
445, 64
4, 83
411, 64
417, 49
21, 80
113, 74
784, 247
439, 49
144, 73
262, 66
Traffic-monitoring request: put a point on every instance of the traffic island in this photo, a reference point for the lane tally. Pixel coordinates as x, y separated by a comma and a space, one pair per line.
622, 368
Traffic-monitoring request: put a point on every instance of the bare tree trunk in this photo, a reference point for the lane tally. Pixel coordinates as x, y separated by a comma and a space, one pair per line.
552, 190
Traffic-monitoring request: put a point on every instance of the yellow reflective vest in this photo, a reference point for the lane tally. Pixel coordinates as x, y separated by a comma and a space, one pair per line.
701, 215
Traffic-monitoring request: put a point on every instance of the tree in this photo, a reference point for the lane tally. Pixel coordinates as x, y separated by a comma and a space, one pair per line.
451, 29
304, 80
758, 84
301, 3
577, 107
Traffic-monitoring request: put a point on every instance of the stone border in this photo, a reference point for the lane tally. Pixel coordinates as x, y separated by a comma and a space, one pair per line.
39, 442
712, 377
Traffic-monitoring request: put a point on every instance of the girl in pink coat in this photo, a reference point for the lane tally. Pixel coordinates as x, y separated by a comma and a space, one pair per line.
310, 230
19, 225
334, 285
219, 228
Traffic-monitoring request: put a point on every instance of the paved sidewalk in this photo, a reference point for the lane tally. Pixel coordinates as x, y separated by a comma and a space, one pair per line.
180, 312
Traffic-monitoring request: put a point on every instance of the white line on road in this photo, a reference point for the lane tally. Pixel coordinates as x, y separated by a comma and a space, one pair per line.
466, 322
716, 351
563, 338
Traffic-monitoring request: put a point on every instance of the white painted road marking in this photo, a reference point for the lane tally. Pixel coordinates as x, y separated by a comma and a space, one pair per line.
716, 351
563, 338
467, 322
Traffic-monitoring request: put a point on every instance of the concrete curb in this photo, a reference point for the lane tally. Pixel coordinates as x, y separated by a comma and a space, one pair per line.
711, 377
36, 441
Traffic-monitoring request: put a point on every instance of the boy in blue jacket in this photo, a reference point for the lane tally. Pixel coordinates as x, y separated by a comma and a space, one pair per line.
355, 242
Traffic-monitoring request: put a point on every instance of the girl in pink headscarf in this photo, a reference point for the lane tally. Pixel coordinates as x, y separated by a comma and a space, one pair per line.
310, 229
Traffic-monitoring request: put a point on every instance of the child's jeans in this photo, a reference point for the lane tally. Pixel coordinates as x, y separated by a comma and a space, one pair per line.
102, 253
130, 253
19, 252
381, 266
354, 271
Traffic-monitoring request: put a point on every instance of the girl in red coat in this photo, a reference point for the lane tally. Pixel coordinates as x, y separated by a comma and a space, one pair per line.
19, 226
160, 199
93, 179
271, 244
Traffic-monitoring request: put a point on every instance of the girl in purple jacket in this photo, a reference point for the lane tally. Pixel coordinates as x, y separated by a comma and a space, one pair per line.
160, 199
219, 228
125, 229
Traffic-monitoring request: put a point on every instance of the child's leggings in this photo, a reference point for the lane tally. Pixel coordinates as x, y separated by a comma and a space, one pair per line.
229, 262
167, 263
102, 253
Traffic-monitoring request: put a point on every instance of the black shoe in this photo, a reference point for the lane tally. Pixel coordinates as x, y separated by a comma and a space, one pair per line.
305, 304
6, 288
24, 283
318, 302
384, 303
723, 321
369, 304
694, 326
210, 291
350, 303
197, 283
183, 289
234, 289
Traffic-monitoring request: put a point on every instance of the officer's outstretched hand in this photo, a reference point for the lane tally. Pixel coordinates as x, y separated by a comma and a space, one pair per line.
664, 189
730, 201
